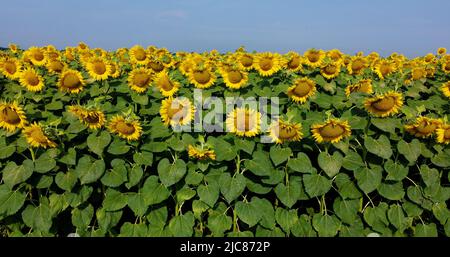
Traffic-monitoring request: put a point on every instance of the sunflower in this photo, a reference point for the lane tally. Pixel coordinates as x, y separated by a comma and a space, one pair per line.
246, 61
282, 131
267, 63
127, 128
12, 116
333, 130
176, 111
423, 126
301, 90
363, 86
13, 47
140, 79
201, 153
167, 86
356, 65
115, 70
31, 80
36, 136
441, 51
331, 70
36, 56
92, 118
446, 67
294, 61
202, 77
418, 73
155, 65
443, 134
82, 46
234, 78
335, 55
244, 122
71, 81
98, 68
445, 88
314, 58
55, 66
385, 104
383, 68
138, 55
11, 67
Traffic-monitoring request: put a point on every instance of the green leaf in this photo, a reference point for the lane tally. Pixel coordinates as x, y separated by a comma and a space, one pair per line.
397, 217
316, 185
134, 176
301, 164
185, 194
331, 164
260, 165
81, 217
38, 217
70, 158
286, 218
143, 158
136, 202
154, 192
265, 208
218, 223
182, 225
45, 162
114, 200
347, 189
279, 155
347, 210
376, 217
411, 151
117, 175
248, 213
441, 212
13, 174
66, 181
425, 230
386, 124
10, 201
6, 150
369, 179
224, 150
98, 143
303, 227
245, 145
352, 161
209, 193
289, 194
442, 159
88, 171
171, 173
380, 147
325, 225
133, 230
155, 147
392, 191
118, 147
232, 187
430, 176
396, 171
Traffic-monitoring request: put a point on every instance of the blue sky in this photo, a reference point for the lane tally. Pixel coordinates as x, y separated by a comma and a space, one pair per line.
409, 27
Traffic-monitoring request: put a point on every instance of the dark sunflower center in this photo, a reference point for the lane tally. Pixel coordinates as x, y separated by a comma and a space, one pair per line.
447, 134
166, 84
32, 80
38, 136
156, 66
234, 76
330, 69
426, 127
202, 77
141, 79
331, 130
38, 56
293, 63
287, 132
303, 88
140, 54
71, 81
384, 104
99, 68
10, 116
247, 61
385, 69
92, 118
243, 122
313, 57
56, 66
10, 67
357, 65
113, 69
266, 64
125, 128
177, 112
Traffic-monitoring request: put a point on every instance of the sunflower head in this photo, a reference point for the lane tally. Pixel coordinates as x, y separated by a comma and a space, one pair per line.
441, 51
314, 58
383, 105
267, 63
11, 68
333, 130
443, 134
93, 118
176, 111
384, 67
331, 70
98, 68
71, 81
12, 116
244, 122
36, 55
201, 152
138, 55
167, 86
202, 77
301, 90
363, 86
356, 65
55, 66
283, 131
246, 60
13, 48
115, 70
37, 136
31, 80
127, 128
234, 78
423, 126
294, 61
445, 88
140, 79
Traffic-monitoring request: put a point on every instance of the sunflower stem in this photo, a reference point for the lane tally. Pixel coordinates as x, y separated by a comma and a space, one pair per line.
33, 156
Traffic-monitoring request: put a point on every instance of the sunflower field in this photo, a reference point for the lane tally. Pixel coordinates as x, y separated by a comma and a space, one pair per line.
90, 143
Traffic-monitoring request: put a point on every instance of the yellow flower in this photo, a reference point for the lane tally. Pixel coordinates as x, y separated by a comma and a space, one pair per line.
13, 48
383, 68
167, 86
246, 61
92, 118
155, 65
301, 90
234, 78
445, 88
71, 81
418, 73
140, 79
128, 129
281, 131
55, 66
115, 70
441, 51
176, 111
331, 70
446, 67
201, 153
267, 63
443, 134
363, 86
385, 104
36, 56
202, 77
356, 65
12, 116
31, 80
37, 137
314, 58
423, 127
244, 122
294, 61
138, 55
82, 46
333, 130
335, 55
11, 67
98, 68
